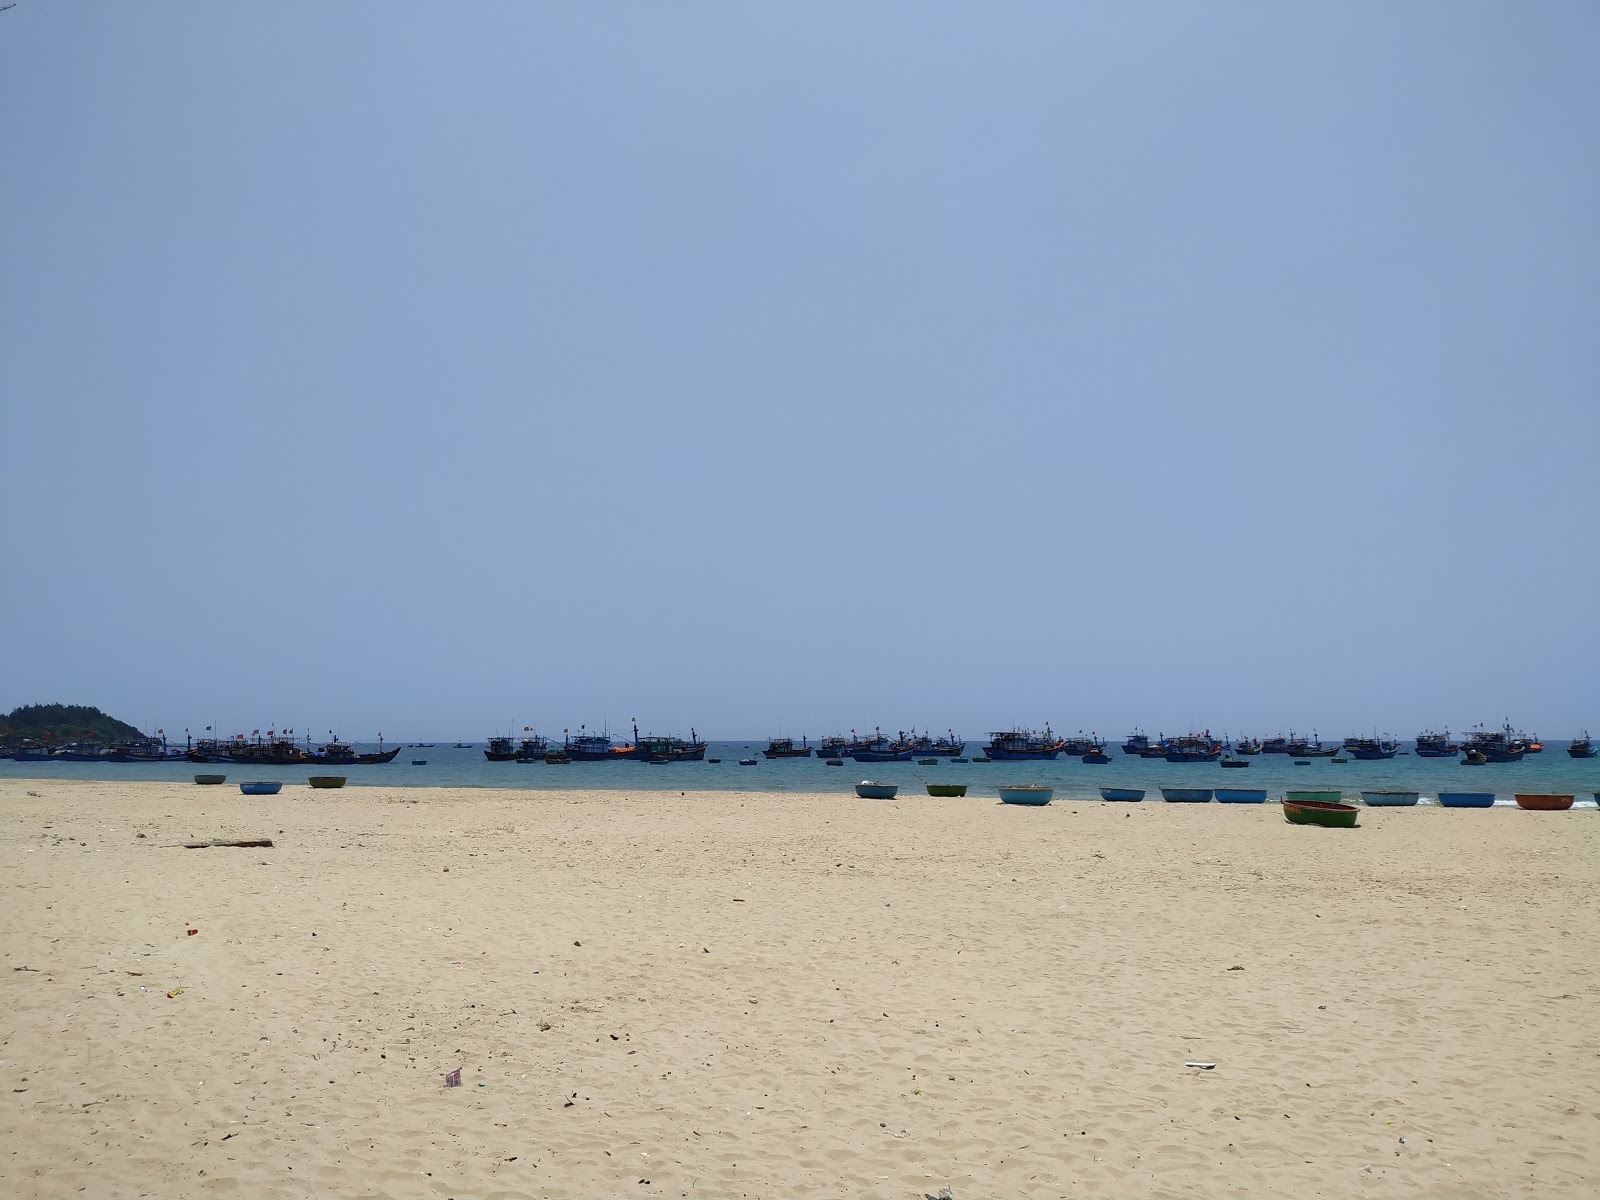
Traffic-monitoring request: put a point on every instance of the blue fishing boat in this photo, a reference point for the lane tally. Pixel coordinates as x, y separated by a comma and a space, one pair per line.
1368, 749
1186, 795
598, 747
1247, 746
1436, 745
1300, 747
1466, 799
1497, 745
1097, 759
886, 753
1275, 745
1389, 798
1582, 747
1194, 748
1013, 744
260, 788
1138, 742
1130, 794
868, 790
1033, 794
1242, 795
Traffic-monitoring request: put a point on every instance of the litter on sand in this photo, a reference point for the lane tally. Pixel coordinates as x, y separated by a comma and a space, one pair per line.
453, 1079
1202, 1066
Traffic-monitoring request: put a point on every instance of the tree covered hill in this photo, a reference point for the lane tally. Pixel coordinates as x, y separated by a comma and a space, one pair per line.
64, 723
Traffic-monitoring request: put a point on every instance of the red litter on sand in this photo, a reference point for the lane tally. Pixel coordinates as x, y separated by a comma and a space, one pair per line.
453, 1079
192, 932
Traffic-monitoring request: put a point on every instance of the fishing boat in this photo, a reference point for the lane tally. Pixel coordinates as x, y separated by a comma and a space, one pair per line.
1235, 762
1156, 749
501, 749
747, 762
260, 787
1247, 746
556, 757
833, 762
463, 745
1275, 745
1012, 744
327, 781
868, 790
1543, 801
884, 753
1302, 748
785, 748
1436, 745
1328, 813
949, 746
598, 747
1137, 742
1186, 795
532, 749
1098, 758
1497, 745
1194, 748
833, 747
344, 754
1473, 758
960, 760
1032, 794
1582, 747
1242, 795
1367, 749
1128, 794
211, 779
419, 762
927, 762
1320, 795
946, 789
672, 749
1466, 799
1389, 798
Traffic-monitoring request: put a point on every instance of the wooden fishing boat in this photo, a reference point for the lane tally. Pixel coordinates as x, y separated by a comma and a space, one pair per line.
868, 790
1235, 762
1097, 759
419, 762
1186, 795
211, 779
1543, 801
1582, 747
747, 762
833, 762
1027, 793
1389, 798
1320, 795
1466, 799
782, 747
327, 781
927, 762
1327, 813
947, 789
1474, 758
1242, 795
260, 788
1130, 794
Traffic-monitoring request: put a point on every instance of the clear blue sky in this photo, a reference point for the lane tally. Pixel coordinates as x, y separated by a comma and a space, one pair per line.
436, 368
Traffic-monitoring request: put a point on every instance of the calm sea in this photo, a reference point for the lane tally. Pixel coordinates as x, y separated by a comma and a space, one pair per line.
444, 765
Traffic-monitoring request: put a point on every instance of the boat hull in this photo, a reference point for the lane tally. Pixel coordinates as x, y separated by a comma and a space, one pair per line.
260, 788
1466, 799
1543, 801
797, 752
1192, 756
1242, 795
1328, 814
1186, 795
327, 781
1580, 752
1390, 799
211, 779
876, 756
1001, 755
1125, 794
947, 789
1372, 755
1034, 796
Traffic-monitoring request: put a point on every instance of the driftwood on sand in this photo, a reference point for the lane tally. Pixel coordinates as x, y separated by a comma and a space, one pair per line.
227, 842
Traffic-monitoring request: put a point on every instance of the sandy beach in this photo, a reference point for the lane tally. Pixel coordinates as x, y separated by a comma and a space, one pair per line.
748, 995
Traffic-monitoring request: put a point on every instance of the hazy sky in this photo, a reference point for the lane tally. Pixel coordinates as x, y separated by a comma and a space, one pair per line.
446, 368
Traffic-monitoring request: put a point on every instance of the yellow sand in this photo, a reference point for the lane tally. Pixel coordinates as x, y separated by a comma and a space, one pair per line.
720, 995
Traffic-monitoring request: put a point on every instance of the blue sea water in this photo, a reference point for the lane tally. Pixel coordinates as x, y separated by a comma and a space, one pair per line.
448, 766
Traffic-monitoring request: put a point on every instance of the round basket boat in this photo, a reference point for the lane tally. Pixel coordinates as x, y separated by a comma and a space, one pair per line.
1326, 813
1466, 799
260, 788
1186, 795
1128, 794
868, 790
947, 789
327, 781
1033, 794
1543, 801
1389, 798
211, 779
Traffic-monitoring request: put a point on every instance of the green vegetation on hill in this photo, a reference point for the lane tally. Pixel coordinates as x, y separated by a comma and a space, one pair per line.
64, 723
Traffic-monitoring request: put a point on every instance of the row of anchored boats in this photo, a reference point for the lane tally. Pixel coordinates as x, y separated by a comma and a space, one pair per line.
273, 749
